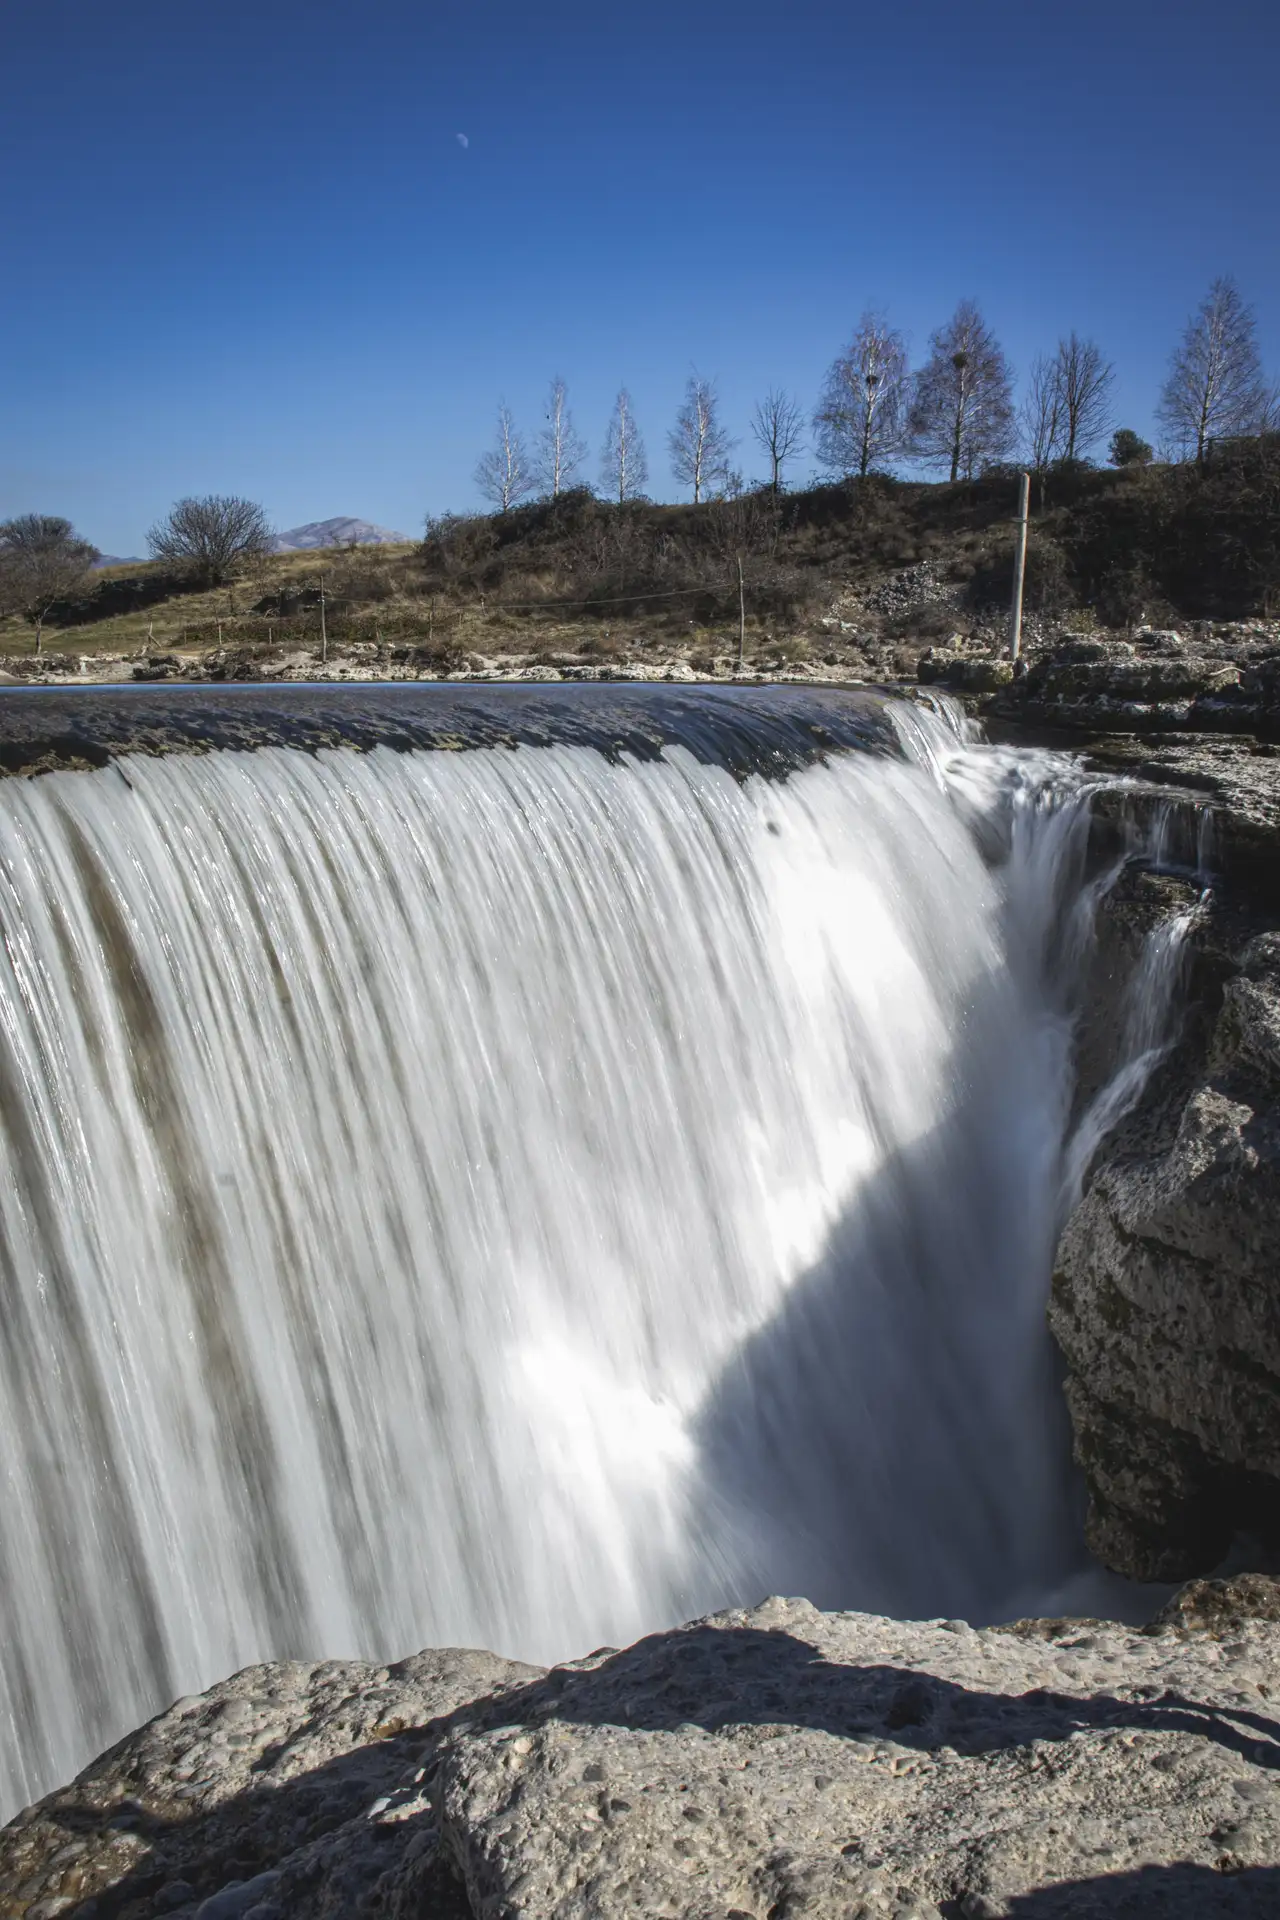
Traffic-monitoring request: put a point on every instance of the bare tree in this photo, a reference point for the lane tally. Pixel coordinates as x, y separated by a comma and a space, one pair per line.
1040, 416
623, 464
962, 410
778, 427
699, 445
503, 475
1083, 380
561, 448
1214, 388
211, 536
42, 560
861, 416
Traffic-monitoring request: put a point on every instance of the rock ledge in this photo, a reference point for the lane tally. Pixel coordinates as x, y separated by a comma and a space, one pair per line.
776, 1764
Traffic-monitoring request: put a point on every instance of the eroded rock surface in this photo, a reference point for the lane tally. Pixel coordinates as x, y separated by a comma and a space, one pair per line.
1217, 679
777, 1764
1166, 1298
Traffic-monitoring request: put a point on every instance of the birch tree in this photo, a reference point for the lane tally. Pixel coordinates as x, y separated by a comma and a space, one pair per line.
777, 426
698, 444
504, 476
1214, 389
1041, 416
1083, 380
962, 409
624, 465
561, 448
861, 416
42, 560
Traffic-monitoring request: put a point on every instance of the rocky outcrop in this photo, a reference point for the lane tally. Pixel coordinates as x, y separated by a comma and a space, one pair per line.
1216, 680
1166, 1297
963, 672
777, 1764
1166, 1301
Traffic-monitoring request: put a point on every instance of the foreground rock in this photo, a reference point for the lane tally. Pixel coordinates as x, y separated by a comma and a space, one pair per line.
765, 1765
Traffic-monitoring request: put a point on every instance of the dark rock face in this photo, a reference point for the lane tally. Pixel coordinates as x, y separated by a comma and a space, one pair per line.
1166, 1303
1166, 1298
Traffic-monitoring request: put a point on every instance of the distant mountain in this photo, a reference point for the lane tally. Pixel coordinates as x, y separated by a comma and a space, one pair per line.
339, 532
117, 560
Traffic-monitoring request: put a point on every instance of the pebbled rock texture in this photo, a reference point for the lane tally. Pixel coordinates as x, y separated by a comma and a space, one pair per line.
777, 1764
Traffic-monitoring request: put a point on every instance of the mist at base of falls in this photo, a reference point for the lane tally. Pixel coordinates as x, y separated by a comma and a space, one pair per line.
506, 1198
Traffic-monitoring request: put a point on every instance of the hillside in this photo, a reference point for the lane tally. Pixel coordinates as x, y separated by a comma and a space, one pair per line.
843, 578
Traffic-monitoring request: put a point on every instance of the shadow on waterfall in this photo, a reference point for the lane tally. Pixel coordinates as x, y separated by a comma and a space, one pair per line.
894, 1440
713, 1677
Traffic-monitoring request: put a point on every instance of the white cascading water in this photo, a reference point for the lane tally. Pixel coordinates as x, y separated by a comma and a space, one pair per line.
507, 1198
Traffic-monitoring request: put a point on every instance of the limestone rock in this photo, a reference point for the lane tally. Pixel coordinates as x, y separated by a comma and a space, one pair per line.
1221, 1606
252, 1799
1165, 1300
1117, 678
777, 1764
944, 666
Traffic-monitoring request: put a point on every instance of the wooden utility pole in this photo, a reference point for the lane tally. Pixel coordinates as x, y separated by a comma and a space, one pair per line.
742, 617
324, 631
1019, 568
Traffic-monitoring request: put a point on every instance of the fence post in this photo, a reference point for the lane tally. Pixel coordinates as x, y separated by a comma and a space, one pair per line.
742, 617
1019, 568
324, 631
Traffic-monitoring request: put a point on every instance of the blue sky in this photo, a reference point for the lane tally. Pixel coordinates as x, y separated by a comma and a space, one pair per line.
244, 250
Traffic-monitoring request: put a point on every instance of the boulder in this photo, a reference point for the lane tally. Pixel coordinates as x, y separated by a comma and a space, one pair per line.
772, 1764
963, 673
1116, 677
1165, 1302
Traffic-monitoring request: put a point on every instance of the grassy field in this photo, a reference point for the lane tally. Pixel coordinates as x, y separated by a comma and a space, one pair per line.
377, 603
837, 571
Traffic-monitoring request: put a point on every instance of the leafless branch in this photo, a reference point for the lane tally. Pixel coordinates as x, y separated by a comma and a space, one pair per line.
699, 445
503, 476
861, 417
624, 465
1214, 388
778, 427
212, 535
962, 411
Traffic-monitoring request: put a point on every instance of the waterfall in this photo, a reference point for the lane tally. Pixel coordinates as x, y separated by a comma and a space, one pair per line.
513, 1198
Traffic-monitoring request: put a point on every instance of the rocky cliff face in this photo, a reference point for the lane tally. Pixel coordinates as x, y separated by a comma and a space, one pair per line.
1166, 1298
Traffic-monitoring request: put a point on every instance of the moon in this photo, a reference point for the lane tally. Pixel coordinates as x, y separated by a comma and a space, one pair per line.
462, 139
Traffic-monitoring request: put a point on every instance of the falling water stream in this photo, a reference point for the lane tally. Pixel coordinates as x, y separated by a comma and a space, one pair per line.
511, 1198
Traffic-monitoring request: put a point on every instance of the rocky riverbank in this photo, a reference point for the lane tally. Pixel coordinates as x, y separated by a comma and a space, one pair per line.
1165, 1300
777, 1764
